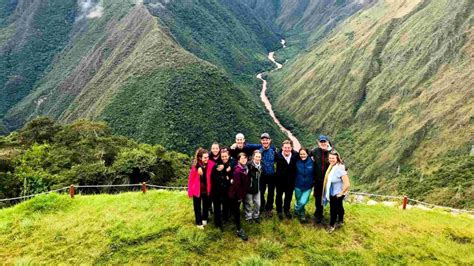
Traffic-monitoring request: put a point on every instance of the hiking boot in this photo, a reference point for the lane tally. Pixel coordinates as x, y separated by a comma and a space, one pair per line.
303, 219
256, 220
288, 215
331, 229
269, 214
280, 216
242, 235
339, 224
319, 220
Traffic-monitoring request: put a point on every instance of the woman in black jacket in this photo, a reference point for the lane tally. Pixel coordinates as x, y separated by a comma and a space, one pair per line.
220, 178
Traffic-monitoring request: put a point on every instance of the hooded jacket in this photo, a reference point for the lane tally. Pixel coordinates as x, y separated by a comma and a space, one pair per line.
194, 180
239, 185
321, 163
304, 174
255, 172
220, 180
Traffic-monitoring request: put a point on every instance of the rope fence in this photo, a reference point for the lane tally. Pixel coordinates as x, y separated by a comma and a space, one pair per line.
144, 187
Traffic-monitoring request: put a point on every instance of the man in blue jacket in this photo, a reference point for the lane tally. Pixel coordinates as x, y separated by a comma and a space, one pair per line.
268, 178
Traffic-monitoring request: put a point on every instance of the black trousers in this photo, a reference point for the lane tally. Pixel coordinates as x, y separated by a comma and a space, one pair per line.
336, 209
201, 208
286, 189
235, 210
221, 209
267, 181
318, 194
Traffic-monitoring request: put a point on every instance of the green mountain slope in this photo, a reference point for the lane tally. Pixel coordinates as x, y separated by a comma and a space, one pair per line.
157, 228
124, 67
393, 86
304, 22
31, 34
223, 32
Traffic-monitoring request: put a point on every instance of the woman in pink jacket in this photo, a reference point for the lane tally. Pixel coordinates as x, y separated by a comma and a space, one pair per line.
199, 186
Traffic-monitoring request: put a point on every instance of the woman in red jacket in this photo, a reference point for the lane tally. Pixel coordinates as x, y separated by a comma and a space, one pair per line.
238, 190
199, 185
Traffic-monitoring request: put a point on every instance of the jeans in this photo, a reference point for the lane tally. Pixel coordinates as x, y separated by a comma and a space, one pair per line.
252, 206
221, 209
336, 209
318, 195
302, 198
267, 181
286, 189
201, 208
235, 210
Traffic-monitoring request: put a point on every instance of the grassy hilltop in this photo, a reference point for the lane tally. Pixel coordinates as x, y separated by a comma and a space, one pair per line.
157, 227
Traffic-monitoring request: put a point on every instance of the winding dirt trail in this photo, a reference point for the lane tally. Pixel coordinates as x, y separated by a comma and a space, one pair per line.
268, 105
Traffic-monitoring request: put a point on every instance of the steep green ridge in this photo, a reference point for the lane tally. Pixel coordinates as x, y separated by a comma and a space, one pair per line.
110, 58
304, 22
223, 32
157, 228
31, 34
393, 87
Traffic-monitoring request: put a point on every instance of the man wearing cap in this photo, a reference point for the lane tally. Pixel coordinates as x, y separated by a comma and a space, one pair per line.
268, 178
321, 163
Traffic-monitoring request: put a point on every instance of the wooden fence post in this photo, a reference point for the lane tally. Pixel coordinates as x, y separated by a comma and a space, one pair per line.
405, 201
144, 187
71, 191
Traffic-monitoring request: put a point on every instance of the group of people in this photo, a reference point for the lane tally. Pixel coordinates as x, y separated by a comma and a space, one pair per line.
245, 173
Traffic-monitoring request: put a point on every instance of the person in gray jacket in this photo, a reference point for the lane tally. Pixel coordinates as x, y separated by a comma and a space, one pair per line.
252, 199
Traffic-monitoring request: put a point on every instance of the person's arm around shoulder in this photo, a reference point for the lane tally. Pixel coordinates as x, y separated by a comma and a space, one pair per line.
251, 147
345, 181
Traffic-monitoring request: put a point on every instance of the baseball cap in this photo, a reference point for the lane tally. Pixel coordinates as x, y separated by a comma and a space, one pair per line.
323, 138
265, 135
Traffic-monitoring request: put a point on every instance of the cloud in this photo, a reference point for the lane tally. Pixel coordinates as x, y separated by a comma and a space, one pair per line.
90, 9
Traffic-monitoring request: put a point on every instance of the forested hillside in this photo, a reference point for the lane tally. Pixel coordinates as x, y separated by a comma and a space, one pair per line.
393, 86
44, 156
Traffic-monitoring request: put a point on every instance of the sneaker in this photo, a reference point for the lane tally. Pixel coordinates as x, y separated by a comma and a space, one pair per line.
339, 224
331, 229
288, 215
204, 222
303, 219
242, 235
256, 220
200, 226
280, 216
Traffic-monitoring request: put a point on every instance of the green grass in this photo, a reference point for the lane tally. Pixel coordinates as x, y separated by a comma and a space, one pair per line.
158, 227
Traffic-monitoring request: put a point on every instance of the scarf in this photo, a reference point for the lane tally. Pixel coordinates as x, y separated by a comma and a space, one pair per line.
326, 186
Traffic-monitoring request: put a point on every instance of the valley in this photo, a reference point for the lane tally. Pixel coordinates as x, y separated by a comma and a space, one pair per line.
390, 81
